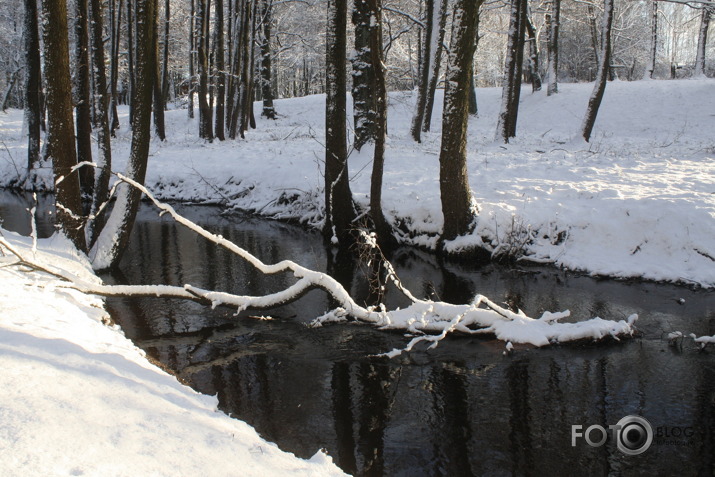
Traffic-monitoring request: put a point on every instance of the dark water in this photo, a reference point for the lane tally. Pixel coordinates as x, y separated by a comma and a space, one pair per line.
460, 409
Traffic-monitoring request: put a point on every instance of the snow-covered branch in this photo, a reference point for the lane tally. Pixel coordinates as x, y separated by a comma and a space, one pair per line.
429, 320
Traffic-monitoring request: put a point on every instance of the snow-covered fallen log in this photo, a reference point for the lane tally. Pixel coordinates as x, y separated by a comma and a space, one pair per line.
429, 320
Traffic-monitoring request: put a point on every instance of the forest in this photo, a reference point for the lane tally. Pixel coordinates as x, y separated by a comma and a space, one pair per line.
214, 59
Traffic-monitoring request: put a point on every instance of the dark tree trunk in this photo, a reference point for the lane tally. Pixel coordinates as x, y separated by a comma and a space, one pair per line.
60, 147
506, 125
339, 207
114, 72
220, 73
165, 56
553, 18
456, 196
202, 28
473, 106
101, 106
111, 243
425, 54
130, 54
434, 64
81, 98
363, 72
192, 46
269, 110
158, 94
594, 101
650, 69
702, 41
382, 228
33, 86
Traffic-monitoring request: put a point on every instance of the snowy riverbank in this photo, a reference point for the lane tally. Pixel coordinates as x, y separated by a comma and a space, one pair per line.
638, 201
80, 399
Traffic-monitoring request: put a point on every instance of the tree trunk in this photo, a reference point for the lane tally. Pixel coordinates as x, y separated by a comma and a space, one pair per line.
81, 98
158, 94
202, 27
702, 42
111, 243
650, 69
382, 228
60, 147
456, 196
269, 111
435, 62
33, 86
363, 73
473, 106
339, 208
192, 46
220, 73
165, 56
516, 93
130, 54
426, 53
553, 18
506, 124
101, 106
114, 72
534, 73
594, 101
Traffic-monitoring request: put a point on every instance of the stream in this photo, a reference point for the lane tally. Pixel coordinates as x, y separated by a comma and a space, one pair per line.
463, 408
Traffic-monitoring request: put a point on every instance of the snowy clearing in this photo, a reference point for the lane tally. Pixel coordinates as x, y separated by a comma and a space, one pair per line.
638, 201
80, 399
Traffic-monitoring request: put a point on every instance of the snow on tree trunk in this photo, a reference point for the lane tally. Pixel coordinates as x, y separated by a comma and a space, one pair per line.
112, 240
534, 73
553, 18
363, 73
60, 130
456, 196
33, 86
594, 101
101, 107
339, 208
702, 41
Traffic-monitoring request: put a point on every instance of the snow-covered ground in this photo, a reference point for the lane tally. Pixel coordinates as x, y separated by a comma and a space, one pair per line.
638, 201
80, 399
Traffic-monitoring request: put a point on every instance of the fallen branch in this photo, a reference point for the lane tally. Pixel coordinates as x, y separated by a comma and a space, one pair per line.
432, 320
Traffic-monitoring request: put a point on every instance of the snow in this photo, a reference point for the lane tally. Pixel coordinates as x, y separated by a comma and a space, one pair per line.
80, 399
